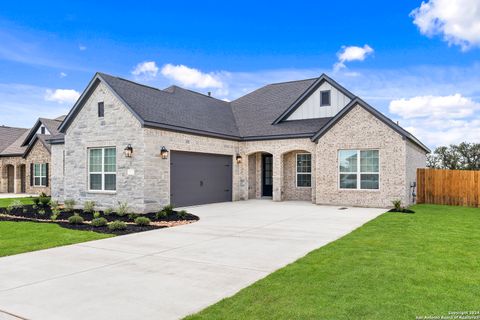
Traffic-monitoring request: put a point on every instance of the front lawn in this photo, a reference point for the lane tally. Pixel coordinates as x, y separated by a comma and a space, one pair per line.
397, 266
19, 237
7, 201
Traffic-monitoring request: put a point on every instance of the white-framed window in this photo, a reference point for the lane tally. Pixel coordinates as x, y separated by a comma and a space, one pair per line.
358, 169
304, 170
39, 174
102, 169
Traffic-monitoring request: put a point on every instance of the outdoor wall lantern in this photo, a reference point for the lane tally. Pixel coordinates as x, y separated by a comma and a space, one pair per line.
238, 158
128, 151
164, 153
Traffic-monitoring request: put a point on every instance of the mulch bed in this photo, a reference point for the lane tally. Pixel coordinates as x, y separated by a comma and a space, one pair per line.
404, 210
29, 213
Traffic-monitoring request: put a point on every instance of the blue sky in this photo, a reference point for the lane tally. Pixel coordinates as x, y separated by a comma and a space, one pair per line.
420, 67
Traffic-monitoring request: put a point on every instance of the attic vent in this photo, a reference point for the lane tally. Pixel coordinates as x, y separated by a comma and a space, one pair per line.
209, 93
42, 130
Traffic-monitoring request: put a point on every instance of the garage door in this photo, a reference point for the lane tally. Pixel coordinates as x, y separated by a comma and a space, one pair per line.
199, 178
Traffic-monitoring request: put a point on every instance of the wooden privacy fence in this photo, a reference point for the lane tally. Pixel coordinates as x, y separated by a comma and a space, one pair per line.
449, 187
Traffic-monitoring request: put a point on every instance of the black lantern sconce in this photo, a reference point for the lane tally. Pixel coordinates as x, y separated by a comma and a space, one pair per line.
128, 151
164, 153
238, 158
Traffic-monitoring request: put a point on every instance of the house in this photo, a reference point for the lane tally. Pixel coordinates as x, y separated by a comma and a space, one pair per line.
25, 157
309, 140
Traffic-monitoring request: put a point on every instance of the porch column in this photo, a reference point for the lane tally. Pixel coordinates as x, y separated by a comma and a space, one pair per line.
17, 179
277, 177
3, 179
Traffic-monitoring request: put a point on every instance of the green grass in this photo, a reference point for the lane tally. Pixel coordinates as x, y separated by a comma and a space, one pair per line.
397, 266
19, 237
7, 201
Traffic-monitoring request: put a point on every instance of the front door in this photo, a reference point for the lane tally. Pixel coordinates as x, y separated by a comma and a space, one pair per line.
267, 170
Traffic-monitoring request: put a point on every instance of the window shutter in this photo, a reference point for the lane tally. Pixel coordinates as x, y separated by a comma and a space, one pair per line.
31, 174
46, 174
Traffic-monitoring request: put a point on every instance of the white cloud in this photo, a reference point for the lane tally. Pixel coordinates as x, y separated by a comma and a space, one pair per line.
439, 120
147, 69
449, 107
62, 95
82, 47
352, 53
191, 77
62, 75
457, 20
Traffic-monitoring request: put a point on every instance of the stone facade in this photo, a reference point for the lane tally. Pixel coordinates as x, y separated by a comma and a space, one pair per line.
22, 170
144, 179
117, 128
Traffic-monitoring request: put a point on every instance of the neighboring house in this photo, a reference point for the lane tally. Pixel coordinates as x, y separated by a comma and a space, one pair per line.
309, 140
25, 157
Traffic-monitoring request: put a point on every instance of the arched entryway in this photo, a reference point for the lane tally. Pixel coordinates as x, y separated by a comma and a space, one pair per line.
10, 172
260, 175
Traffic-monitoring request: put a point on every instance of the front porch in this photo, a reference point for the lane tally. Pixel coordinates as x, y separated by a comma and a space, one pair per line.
13, 178
281, 176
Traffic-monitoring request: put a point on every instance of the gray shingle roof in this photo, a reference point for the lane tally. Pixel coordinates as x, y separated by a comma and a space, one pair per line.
255, 116
256, 111
176, 107
16, 148
9, 135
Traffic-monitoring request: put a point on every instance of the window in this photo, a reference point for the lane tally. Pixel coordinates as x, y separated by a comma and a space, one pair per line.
40, 175
304, 170
101, 110
102, 169
324, 98
42, 130
358, 169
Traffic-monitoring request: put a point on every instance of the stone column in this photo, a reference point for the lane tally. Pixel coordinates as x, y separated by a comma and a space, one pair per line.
277, 176
17, 179
3, 179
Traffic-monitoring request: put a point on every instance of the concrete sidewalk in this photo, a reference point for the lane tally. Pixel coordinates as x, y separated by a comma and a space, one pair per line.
170, 273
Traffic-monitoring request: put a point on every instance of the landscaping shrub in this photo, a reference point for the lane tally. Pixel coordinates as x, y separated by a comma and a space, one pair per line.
15, 204
99, 222
161, 215
41, 212
44, 199
54, 205
54, 216
168, 209
142, 221
122, 208
397, 205
117, 225
36, 201
69, 204
96, 215
75, 219
182, 214
132, 216
89, 206
108, 211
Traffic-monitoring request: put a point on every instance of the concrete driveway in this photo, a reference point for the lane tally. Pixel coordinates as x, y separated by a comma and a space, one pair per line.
170, 273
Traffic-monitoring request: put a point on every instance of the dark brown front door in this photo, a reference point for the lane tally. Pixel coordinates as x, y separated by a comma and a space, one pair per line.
10, 179
199, 178
267, 172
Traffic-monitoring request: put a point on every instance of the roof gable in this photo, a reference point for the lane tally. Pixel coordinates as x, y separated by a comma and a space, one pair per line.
357, 101
51, 125
308, 92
